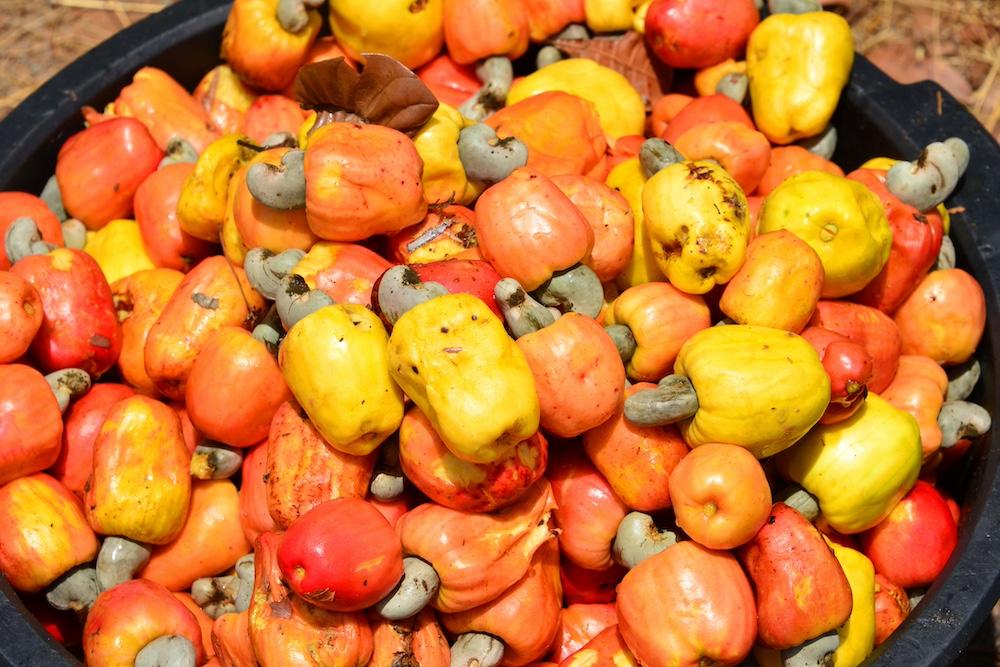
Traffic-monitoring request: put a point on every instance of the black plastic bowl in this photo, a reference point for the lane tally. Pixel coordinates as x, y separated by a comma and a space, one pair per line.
876, 117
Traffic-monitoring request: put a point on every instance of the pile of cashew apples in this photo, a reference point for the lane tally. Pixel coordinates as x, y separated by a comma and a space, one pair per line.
410, 338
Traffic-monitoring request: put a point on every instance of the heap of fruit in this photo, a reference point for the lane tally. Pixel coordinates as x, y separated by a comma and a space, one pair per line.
368, 352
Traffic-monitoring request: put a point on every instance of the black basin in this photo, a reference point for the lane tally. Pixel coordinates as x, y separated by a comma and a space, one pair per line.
876, 117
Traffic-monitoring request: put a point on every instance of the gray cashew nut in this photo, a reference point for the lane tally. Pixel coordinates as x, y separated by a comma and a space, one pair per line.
75, 590
178, 150
228, 594
281, 139
823, 144
269, 331
167, 651
487, 158
414, 591
215, 461
400, 289
67, 384
52, 196
547, 55
734, 86
929, 180
573, 31
812, 653
265, 270
295, 300
24, 239
623, 339
800, 500
638, 538
656, 154
576, 289
293, 15
119, 559
946, 258
672, 400
281, 186
74, 234
793, 6
962, 379
497, 74
476, 649
387, 482
959, 420
522, 313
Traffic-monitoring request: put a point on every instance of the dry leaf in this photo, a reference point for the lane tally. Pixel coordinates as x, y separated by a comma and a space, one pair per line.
628, 55
384, 92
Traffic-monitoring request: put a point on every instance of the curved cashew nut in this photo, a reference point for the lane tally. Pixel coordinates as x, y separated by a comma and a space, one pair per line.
167, 651
476, 649
656, 154
400, 289
623, 339
179, 150
673, 399
293, 15
76, 590
295, 300
638, 538
522, 313
74, 234
734, 86
245, 573
281, 186
280, 139
816, 651
485, 157
929, 180
576, 290
946, 258
265, 270
800, 500
414, 591
962, 379
823, 144
497, 74
216, 595
68, 384
215, 461
269, 331
387, 482
23, 239
573, 31
962, 420
52, 196
793, 6
119, 559
546, 56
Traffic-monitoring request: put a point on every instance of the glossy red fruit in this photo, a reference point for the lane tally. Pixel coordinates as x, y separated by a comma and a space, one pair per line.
583, 586
849, 367
20, 316
341, 555
699, 33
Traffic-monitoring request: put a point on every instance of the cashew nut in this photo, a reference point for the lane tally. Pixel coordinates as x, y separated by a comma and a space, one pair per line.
280, 139
414, 591
638, 538
671, 401
281, 186
293, 15
497, 74
485, 157
793, 6
946, 258
400, 289
476, 649
74, 234
295, 300
623, 339
119, 559
387, 481
215, 461
962, 420
656, 154
546, 56
929, 180
962, 379
915, 595
67, 384
823, 144
23, 239
576, 290
800, 500
76, 590
813, 653
522, 313
734, 86
265, 270
245, 573
216, 595
179, 150
52, 196
167, 651
270, 331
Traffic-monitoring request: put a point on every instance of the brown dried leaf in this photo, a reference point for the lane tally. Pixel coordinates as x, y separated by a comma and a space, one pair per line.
628, 55
385, 92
